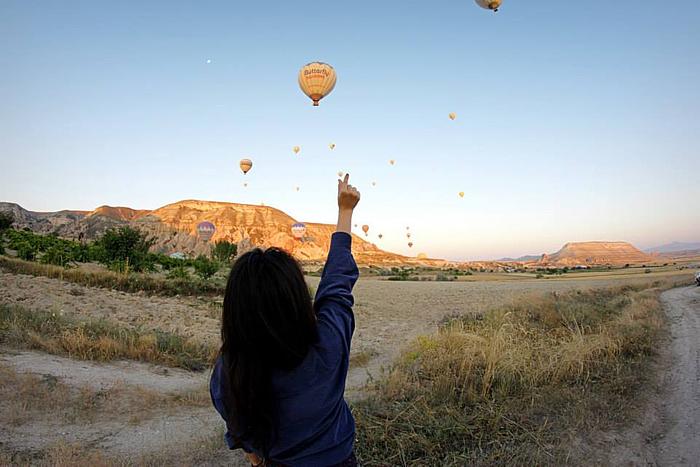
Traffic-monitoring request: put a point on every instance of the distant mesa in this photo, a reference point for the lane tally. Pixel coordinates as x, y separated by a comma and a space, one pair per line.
596, 254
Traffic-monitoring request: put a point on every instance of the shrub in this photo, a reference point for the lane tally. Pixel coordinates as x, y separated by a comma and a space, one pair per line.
25, 251
205, 267
224, 251
57, 256
178, 272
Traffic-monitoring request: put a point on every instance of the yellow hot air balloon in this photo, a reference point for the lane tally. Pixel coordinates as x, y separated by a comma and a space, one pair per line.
365, 229
317, 80
332, 146
296, 149
461, 194
245, 165
391, 161
452, 115
489, 4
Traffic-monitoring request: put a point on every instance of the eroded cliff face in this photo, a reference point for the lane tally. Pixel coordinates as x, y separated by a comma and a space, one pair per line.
174, 227
596, 253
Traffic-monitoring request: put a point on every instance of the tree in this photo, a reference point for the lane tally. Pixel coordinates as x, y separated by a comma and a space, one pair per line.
125, 249
224, 251
6, 220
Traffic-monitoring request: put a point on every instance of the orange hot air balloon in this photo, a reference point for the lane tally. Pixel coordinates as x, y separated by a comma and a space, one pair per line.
332, 146
391, 161
245, 165
461, 194
489, 4
410, 244
317, 80
365, 229
452, 115
296, 149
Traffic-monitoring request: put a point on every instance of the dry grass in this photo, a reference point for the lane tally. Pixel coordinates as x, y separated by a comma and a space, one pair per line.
99, 340
26, 397
361, 358
515, 385
133, 282
206, 450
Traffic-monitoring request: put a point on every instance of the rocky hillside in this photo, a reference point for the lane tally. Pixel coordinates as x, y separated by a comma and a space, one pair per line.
174, 228
596, 253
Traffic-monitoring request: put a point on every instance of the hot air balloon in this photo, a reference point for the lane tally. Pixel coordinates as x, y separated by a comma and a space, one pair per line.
489, 4
365, 229
297, 188
296, 149
452, 115
355, 225
317, 80
408, 234
380, 236
332, 146
374, 183
206, 230
245, 165
410, 244
298, 230
340, 174
461, 194
245, 184
407, 227
391, 161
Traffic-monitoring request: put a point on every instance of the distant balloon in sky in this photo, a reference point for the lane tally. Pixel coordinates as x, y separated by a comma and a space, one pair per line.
452, 115
374, 183
380, 236
408, 234
410, 244
407, 228
365, 229
391, 161
296, 149
489, 4
297, 188
245, 165
340, 174
245, 184
461, 194
206, 230
317, 80
332, 146
298, 230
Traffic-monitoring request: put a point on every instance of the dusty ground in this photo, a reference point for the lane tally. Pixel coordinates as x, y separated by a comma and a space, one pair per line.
388, 315
667, 430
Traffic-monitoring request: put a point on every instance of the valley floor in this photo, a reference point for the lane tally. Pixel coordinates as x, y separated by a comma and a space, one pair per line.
149, 414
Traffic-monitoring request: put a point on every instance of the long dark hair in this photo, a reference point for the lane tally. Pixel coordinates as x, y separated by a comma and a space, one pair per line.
268, 323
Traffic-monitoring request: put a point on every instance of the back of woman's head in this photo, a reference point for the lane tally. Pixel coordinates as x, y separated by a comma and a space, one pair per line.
268, 323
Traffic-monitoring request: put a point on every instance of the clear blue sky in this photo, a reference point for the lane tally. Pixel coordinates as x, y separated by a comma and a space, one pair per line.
577, 120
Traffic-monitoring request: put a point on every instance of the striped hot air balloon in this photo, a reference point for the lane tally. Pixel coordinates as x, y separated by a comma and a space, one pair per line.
205, 230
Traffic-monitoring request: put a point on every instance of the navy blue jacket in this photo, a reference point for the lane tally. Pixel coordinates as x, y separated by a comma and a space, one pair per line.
315, 426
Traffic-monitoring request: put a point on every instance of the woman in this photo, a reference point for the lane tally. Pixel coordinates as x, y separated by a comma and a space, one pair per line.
280, 377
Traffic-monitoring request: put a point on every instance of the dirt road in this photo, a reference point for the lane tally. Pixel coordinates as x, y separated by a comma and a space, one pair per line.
679, 442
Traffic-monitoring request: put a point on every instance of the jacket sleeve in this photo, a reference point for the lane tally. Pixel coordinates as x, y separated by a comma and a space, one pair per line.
217, 399
334, 300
